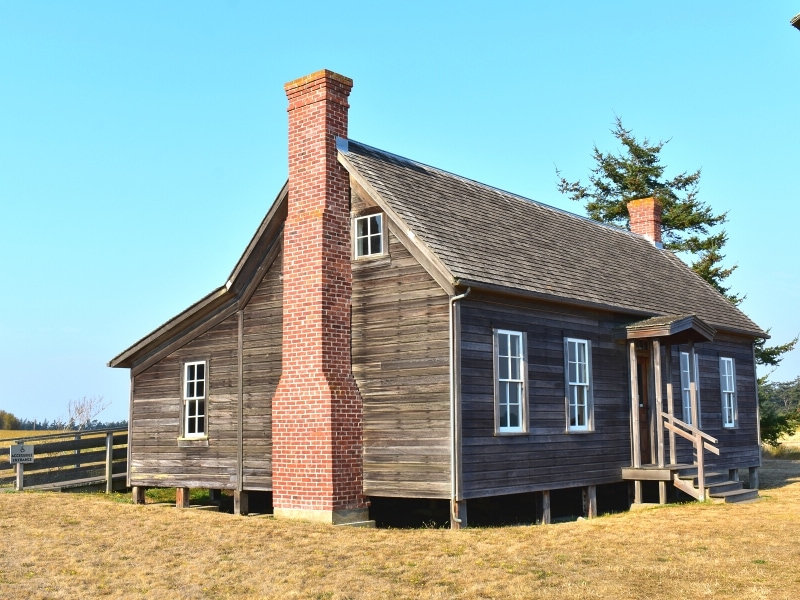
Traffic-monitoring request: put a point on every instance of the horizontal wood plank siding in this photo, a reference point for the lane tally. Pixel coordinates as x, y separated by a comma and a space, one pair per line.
546, 457
738, 446
262, 343
156, 457
400, 363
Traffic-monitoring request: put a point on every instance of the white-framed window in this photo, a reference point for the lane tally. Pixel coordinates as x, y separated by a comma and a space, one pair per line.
578, 383
686, 396
727, 376
195, 378
510, 367
368, 238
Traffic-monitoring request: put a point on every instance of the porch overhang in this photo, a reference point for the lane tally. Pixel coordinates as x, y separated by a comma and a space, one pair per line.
669, 329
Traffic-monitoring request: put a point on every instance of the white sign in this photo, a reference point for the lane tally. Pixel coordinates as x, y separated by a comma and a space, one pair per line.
21, 453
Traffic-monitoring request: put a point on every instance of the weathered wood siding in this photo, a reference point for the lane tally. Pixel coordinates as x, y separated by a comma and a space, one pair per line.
547, 457
262, 342
156, 457
738, 446
400, 362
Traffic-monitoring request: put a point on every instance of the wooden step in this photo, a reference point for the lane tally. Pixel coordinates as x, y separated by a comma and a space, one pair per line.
724, 486
740, 495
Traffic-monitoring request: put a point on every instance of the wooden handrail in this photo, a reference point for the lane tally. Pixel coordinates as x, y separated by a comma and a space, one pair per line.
698, 439
690, 428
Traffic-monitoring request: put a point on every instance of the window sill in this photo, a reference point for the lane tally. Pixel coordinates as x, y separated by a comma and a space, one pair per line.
579, 431
193, 442
372, 260
510, 433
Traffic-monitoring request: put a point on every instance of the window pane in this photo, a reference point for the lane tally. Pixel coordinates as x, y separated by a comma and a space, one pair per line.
190, 426
513, 393
502, 340
201, 371
502, 364
513, 418
190, 372
362, 227
514, 368
504, 393
375, 244
375, 224
573, 372
191, 407
190, 389
201, 408
515, 343
201, 425
201, 386
581, 353
362, 247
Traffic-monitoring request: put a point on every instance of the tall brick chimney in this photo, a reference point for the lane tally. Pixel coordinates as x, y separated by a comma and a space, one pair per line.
317, 408
645, 217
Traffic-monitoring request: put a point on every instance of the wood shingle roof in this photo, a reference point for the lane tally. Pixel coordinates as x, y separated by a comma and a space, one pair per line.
490, 238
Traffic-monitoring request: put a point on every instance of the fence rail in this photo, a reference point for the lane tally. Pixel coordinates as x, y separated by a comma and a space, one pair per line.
69, 459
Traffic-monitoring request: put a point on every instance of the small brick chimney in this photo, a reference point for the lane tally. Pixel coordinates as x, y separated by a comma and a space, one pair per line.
645, 217
317, 408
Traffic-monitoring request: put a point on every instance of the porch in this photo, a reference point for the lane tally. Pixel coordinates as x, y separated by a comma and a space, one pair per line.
655, 432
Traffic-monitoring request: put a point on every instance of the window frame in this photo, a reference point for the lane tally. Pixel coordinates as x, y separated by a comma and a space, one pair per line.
686, 409
588, 386
726, 393
521, 381
380, 234
187, 400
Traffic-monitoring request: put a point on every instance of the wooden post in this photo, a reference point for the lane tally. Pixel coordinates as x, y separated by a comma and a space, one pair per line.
673, 457
636, 444
240, 503
77, 452
20, 477
752, 482
182, 497
659, 401
701, 470
635, 441
590, 501
546, 519
109, 462
137, 494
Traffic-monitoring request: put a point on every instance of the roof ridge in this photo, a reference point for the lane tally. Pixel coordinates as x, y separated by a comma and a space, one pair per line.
492, 188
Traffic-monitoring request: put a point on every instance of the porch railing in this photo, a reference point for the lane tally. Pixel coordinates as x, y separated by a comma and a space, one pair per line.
701, 442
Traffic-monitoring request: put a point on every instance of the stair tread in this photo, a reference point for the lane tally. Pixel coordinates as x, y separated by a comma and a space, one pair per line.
740, 492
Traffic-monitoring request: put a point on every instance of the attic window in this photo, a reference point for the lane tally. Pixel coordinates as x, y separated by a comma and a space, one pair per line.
369, 235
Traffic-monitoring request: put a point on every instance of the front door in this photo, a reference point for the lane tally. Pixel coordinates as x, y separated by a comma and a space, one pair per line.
642, 372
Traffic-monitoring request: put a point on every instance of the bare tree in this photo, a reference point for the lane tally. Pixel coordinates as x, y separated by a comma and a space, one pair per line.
82, 413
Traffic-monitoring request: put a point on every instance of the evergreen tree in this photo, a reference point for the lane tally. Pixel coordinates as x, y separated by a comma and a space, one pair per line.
636, 172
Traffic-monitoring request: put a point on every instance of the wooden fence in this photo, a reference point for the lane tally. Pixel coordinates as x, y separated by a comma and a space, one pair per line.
73, 459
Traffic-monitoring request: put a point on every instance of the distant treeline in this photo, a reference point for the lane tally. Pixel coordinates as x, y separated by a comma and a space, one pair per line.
9, 421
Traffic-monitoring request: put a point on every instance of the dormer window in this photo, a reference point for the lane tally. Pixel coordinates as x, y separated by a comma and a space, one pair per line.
369, 235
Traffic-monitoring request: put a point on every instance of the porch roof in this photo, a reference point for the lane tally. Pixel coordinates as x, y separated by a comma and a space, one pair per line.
674, 329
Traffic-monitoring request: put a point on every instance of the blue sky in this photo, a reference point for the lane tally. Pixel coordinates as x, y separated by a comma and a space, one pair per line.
141, 143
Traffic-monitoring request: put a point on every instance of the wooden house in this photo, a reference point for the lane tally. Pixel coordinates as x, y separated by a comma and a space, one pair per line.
393, 330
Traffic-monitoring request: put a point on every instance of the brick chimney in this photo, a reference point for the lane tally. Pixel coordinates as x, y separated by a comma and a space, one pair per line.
316, 411
645, 217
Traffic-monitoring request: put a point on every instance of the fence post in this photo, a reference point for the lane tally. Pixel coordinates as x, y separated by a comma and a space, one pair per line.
20, 470
109, 459
78, 452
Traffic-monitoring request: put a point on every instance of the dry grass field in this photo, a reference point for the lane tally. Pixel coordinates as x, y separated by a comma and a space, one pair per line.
9, 435
91, 546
